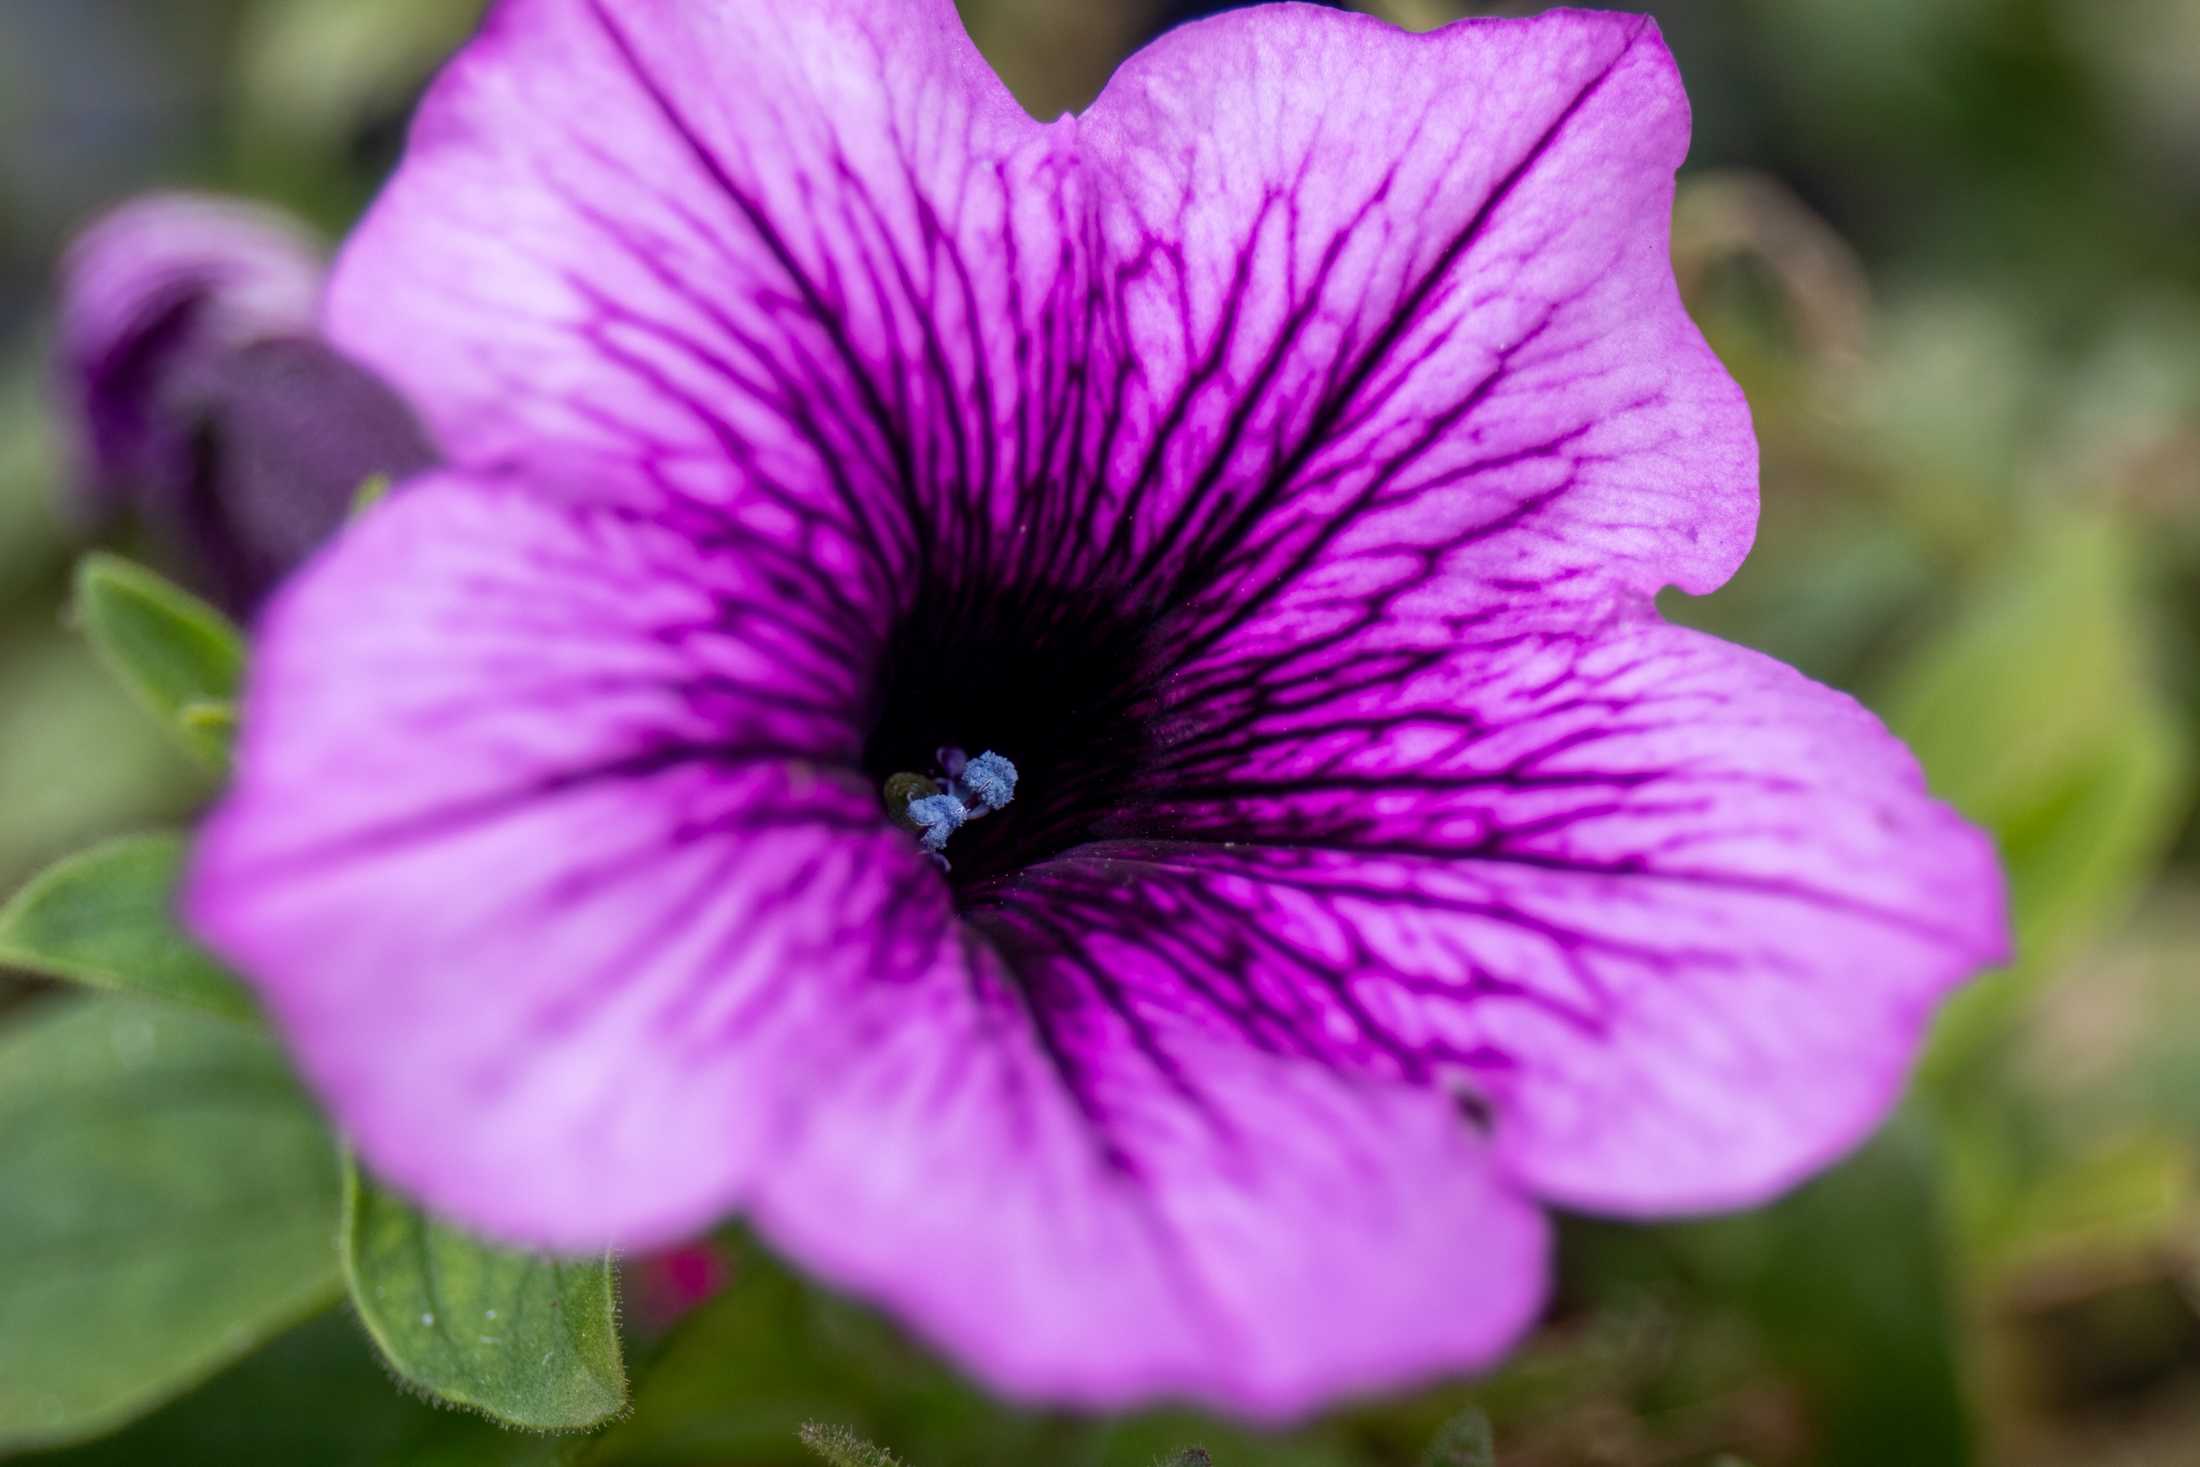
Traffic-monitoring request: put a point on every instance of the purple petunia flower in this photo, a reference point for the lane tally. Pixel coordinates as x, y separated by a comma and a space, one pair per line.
205, 402
1272, 467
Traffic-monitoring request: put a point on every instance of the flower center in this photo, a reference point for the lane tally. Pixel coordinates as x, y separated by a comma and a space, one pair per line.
966, 790
1046, 682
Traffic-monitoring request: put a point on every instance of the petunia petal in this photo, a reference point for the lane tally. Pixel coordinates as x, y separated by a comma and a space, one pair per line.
805, 259
1396, 329
1675, 914
1093, 1209
534, 812
530, 860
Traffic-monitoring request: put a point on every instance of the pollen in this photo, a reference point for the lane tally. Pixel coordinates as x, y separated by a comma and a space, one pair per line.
938, 817
935, 808
990, 780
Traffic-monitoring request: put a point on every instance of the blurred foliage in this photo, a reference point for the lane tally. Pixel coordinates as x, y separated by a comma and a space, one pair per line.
1948, 250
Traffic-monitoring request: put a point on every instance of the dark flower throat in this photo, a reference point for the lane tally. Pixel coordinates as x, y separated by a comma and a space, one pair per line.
1047, 677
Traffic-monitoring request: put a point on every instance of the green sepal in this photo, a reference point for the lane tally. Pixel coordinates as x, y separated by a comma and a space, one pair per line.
178, 656
526, 1339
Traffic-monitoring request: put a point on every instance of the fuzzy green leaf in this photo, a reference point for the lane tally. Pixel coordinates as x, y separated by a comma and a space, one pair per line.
177, 655
169, 1203
843, 1448
105, 917
525, 1339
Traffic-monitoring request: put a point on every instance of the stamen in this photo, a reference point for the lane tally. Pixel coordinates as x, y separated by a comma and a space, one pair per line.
938, 816
937, 808
901, 789
990, 780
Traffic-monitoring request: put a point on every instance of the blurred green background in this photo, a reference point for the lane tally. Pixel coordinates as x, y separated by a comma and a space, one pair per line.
1952, 250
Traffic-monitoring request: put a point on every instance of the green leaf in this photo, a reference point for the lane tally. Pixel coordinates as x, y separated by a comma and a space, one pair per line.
106, 917
316, 1396
169, 1202
172, 651
843, 1448
1464, 1442
526, 1339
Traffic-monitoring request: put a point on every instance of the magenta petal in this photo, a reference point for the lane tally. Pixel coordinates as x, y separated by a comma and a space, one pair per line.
805, 259
1678, 915
543, 854
1396, 319
528, 862
1092, 1208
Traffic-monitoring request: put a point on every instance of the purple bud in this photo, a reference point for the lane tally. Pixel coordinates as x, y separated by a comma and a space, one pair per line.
206, 404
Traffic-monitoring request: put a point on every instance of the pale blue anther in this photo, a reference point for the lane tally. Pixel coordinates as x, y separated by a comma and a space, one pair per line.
938, 816
990, 780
